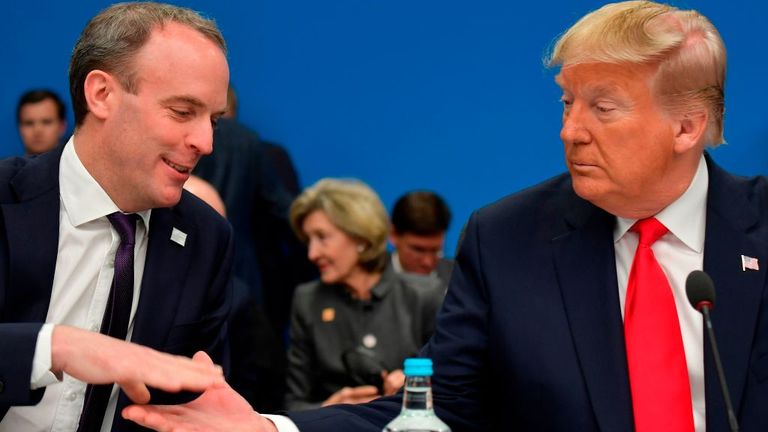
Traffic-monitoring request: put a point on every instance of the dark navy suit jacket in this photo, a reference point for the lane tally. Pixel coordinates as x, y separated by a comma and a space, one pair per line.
530, 337
184, 297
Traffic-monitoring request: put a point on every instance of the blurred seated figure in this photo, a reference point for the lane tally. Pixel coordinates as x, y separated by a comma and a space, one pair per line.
352, 328
268, 257
277, 154
419, 222
42, 121
254, 357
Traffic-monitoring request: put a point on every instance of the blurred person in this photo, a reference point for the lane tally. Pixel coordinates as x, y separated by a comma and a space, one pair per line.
100, 244
278, 156
419, 222
268, 256
352, 328
563, 294
206, 192
255, 360
42, 120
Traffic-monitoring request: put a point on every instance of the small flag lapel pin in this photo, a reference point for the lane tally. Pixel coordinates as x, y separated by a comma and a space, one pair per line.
749, 263
179, 237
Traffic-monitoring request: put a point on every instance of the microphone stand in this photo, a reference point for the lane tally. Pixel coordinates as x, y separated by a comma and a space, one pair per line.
704, 309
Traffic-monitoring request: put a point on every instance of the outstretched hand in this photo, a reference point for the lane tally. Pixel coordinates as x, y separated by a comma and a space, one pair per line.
219, 408
98, 359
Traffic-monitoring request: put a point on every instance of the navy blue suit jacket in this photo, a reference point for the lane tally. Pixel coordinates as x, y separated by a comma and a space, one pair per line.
184, 297
530, 337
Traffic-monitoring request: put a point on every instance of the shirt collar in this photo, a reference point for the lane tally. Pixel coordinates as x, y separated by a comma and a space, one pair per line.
396, 261
83, 198
685, 217
398, 267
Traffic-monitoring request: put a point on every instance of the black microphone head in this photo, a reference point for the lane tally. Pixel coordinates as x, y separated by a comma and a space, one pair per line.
700, 290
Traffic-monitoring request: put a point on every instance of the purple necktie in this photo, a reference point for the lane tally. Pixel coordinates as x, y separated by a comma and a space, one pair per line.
116, 316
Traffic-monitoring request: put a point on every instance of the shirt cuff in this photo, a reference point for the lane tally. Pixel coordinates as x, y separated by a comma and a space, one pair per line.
282, 423
41, 362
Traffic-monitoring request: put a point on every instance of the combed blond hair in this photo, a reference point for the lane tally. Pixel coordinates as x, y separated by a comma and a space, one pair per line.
354, 208
687, 48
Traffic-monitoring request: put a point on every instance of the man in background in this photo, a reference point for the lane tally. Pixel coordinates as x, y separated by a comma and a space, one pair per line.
268, 257
419, 222
255, 359
42, 121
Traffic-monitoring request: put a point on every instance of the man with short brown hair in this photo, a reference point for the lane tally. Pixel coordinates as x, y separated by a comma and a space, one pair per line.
42, 121
99, 245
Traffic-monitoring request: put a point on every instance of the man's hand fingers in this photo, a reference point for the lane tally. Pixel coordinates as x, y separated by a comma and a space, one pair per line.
203, 358
363, 391
136, 391
147, 417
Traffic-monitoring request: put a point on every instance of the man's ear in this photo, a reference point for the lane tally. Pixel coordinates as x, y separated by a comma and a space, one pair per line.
690, 129
99, 88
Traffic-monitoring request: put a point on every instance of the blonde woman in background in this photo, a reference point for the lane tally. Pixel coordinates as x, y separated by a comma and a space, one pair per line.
352, 328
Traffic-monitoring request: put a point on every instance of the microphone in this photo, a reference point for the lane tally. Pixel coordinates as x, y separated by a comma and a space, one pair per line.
701, 294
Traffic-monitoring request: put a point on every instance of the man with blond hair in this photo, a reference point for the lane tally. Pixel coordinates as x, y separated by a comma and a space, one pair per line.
99, 245
566, 310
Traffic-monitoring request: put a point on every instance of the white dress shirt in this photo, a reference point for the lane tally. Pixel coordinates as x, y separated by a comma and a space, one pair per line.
398, 267
81, 285
678, 252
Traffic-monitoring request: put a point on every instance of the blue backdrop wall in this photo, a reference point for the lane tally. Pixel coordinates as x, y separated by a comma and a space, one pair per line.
403, 94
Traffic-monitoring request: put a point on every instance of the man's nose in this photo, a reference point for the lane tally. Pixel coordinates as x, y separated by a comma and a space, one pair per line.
201, 137
574, 130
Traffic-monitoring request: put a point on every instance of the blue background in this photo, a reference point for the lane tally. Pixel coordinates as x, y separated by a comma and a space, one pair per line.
445, 95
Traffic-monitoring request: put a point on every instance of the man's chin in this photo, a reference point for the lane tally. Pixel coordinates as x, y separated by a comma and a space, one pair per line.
588, 189
169, 199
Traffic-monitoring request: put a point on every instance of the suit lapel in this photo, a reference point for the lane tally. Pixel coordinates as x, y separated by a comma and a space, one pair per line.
32, 238
729, 217
586, 269
164, 277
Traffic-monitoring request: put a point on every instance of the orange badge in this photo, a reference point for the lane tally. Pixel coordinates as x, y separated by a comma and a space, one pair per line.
329, 314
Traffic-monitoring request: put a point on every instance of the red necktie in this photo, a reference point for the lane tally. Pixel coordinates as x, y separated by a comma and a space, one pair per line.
658, 373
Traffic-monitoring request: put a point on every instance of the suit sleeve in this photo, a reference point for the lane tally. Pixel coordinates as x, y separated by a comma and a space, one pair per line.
17, 349
459, 347
459, 350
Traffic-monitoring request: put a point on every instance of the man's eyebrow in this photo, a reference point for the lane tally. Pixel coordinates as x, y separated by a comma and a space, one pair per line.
607, 88
602, 88
191, 100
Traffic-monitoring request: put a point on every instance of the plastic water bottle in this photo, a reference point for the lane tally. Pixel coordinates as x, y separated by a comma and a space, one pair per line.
417, 414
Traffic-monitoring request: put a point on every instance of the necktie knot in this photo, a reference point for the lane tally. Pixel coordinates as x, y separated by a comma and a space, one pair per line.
649, 230
125, 225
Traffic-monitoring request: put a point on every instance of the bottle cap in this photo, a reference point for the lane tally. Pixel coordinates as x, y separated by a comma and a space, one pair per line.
418, 367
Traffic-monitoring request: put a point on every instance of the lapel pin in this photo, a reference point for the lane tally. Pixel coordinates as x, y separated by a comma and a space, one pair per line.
328, 315
749, 263
179, 237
